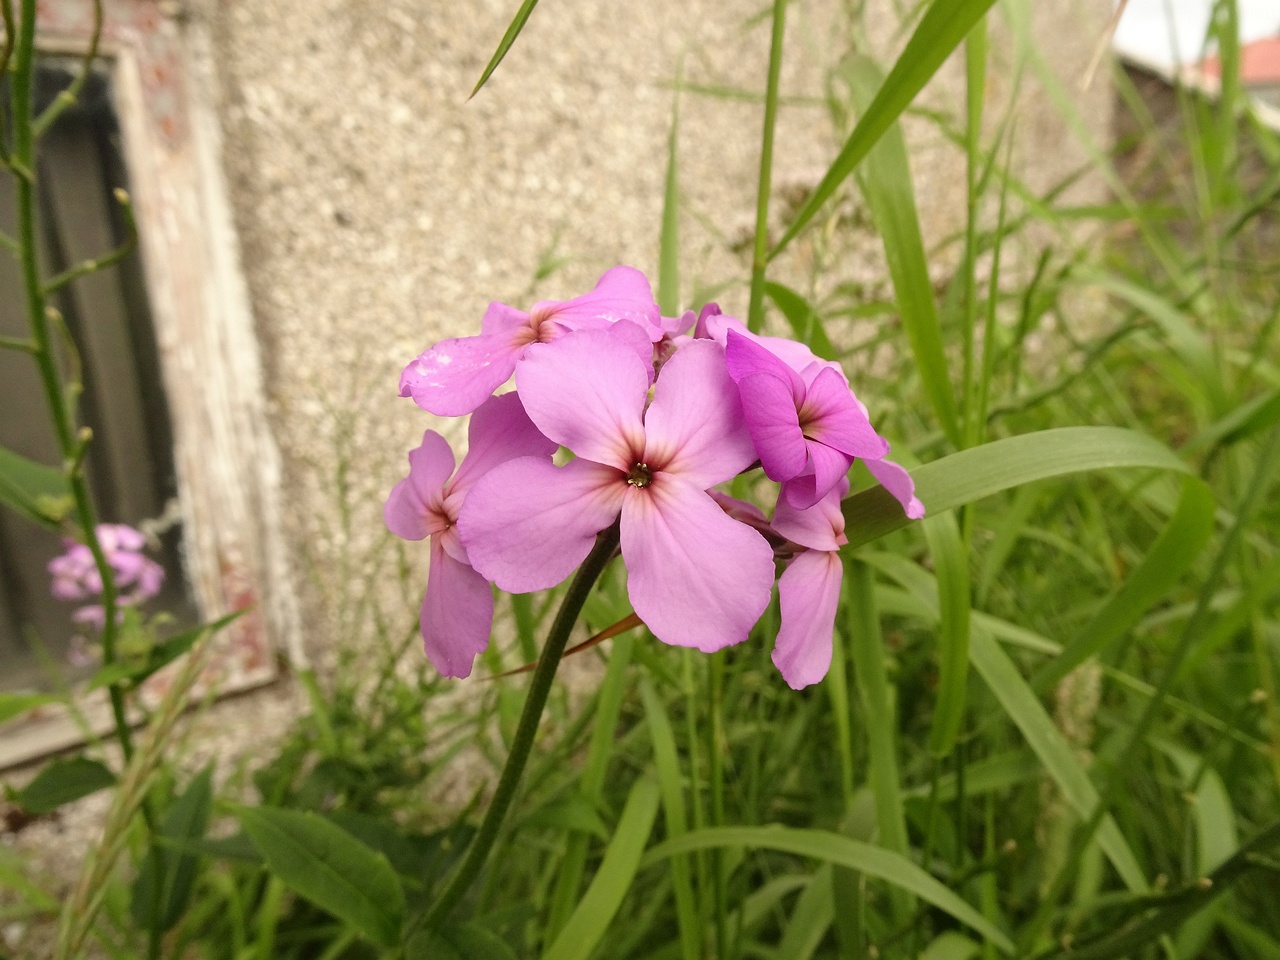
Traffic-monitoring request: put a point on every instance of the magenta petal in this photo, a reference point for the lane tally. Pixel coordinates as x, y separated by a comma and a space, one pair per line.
527, 524
696, 577
809, 593
622, 293
457, 614
833, 416
503, 320
745, 357
774, 426
695, 427
820, 527
456, 376
897, 481
586, 391
499, 431
430, 465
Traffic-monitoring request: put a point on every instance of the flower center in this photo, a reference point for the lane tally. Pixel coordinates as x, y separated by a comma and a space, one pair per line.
640, 475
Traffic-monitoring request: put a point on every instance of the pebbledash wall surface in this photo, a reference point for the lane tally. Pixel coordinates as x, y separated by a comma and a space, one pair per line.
348, 206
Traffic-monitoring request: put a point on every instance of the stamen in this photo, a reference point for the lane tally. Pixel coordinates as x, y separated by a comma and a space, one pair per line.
640, 475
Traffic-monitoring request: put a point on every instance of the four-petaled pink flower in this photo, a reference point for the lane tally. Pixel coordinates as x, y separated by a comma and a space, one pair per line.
455, 376
695, 576
457, 610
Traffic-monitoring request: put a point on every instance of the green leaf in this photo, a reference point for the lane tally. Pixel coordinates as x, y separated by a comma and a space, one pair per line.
39, 493
669, 242
161, 655
331, 868
804, 321
588, 923
573, 813
16, 704
842, 852
174, 870
979, 472
469, 941
1050, 746
886, 185
508, 38
62, 782
951, 566
814, 912
941, 29
1172, 555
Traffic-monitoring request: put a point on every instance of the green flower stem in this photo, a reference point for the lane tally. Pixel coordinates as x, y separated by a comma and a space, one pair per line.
760, 250
24, 137
530, 717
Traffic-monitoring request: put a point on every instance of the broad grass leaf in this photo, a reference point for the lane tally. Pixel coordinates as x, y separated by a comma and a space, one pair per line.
814, 912
63, 781
1015, 695
979, 472
468, 941
331, 868
839, 851
587, 925
951, 567
37, 492
941, 29
174, 870
804, 320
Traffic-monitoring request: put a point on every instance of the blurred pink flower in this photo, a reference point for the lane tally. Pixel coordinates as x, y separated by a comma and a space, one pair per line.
75, 575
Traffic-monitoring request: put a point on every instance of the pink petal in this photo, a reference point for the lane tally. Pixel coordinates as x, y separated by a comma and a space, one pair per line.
745, 357
694, 427
527, 524
504, 320
499, 431
820, 527
770, 414
406, 512
586, 391
457, 614
809, 592
832, 415
456, 376
696, 577
825, 469
622, 293
898, 482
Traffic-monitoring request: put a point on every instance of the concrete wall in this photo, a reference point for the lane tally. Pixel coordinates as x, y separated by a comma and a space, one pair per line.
379, 210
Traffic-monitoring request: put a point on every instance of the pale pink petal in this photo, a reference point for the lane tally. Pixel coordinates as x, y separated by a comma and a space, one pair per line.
636, 340
527, 524
745, 357
406, 511
679, 326
622, 293
695, 576
586, 391
499, 431
820, 527
456, 376
774, 426
694, 427
825, 469
898, 482
832, 415
457, 614
809, 593
504, 320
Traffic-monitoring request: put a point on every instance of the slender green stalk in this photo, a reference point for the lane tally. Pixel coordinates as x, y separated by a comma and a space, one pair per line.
760, 252
522, 742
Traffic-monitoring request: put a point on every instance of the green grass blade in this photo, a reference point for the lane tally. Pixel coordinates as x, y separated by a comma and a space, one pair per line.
943, 26
587, 926
814, 912
951, 566
508, 38
1171, 556
804, 320
760, 246
841, 852
669, 241
1047, 742
979, 472
667, 761
887, 187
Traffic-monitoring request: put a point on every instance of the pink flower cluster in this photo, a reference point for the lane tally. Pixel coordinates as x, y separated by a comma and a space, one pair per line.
656, 412
76, 577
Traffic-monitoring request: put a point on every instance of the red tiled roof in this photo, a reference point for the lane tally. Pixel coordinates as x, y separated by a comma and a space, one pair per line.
1259, 63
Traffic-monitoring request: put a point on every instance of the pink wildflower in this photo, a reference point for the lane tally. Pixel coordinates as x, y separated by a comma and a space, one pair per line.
457, 609
75, 574
695, 576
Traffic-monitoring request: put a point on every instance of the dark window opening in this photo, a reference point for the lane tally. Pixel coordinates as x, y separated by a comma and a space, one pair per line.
130, 465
